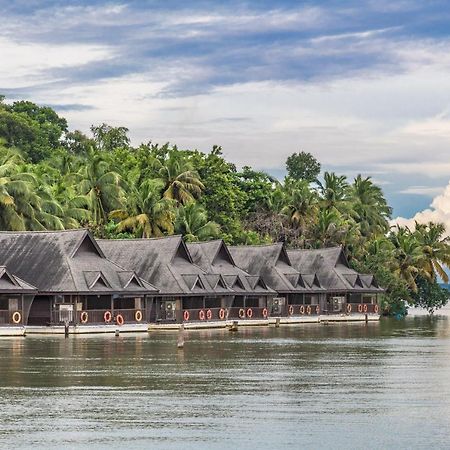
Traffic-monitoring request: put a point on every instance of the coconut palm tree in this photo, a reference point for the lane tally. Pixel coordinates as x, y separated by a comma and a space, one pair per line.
149, 214
192, 222
21, 207
408, 254
302, 204
435, 248
335, 192
181, 182
101, 186
370, 206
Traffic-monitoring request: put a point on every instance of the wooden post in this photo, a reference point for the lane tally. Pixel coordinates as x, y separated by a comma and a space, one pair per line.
180, 342
277, 322
233, 326
66, 328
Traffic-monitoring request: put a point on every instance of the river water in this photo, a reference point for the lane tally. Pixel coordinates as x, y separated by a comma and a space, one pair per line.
381, 385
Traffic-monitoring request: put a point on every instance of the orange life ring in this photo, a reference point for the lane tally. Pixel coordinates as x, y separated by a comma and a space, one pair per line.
221, 314
308, 310
138, 315
365, 307
201, 314
376, 309
209, 314
349, 308
249, 313
107, 317
119, 319
17, 317
186, 315
241, 313
360, 308
84, 317
291, 310
302, 309
317, 309
265, 313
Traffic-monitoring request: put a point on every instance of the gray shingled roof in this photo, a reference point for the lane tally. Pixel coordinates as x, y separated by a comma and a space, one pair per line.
165, 262
214, 258
9, 283
332, 270
270, 262
65, 262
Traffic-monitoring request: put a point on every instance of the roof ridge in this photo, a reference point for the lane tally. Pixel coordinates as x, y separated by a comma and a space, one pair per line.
143, 239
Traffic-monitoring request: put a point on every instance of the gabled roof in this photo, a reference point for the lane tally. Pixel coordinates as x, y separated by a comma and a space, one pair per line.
214, 257
10, 284
63, 262
270, 262
165, 262
332, 270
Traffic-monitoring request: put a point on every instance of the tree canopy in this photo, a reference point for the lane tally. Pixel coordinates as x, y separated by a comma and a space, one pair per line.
55, 178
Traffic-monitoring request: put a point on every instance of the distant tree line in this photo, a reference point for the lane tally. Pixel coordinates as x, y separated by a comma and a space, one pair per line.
53, 178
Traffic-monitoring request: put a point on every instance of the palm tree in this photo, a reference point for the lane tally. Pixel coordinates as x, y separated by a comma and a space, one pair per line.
335, 192
181, 182
302, 204
409, 256
370, 206
435, 248
192, 222
21, 207
149, 214
101, 186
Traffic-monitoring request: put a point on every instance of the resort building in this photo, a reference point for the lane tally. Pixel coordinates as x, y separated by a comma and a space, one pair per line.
77, 287
186, 292
253, 298
347, 291
272, 264
16, 297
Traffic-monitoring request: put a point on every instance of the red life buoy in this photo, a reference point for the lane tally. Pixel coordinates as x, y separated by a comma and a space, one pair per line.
209, 314
376, 309
317, 309
241, 313
201, 314
349, 308
365, 308
302, 309
107, 317
119, 319
17, 317
186, 315
291, 310
221, 314
84, 317
265, 313
360, 308
308, 309
249, 313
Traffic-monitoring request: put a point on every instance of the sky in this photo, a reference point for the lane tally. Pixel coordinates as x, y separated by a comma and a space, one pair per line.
362, 85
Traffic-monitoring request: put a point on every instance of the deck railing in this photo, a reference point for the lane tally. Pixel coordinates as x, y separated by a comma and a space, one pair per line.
360, 308
248, 313
97, 316
204, 314
303, 310
6, 317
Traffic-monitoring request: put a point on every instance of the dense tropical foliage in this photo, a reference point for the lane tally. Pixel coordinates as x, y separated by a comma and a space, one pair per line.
53, 178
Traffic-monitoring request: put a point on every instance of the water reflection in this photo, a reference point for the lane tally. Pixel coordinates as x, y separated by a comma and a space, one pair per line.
340, 386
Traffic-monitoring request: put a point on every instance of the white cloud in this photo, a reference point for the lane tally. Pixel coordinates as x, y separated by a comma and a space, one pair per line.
439, 211
422, 190
25, 64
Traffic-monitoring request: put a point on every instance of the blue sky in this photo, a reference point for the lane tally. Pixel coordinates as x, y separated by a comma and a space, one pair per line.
363, 85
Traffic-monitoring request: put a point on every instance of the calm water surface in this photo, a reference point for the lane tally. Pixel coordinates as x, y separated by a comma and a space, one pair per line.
383, 385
